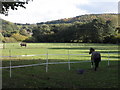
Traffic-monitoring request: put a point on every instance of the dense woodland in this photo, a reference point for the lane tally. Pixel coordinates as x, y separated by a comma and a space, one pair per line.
93, 28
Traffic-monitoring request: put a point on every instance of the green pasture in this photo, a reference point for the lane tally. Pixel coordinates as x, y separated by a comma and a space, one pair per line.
59, 48
59, 76
108, 51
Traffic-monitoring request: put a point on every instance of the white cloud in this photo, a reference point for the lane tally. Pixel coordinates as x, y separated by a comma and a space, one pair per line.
46, 10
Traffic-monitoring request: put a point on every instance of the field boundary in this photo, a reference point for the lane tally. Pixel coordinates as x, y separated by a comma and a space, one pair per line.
40, 55
49, 55
18, 66
47, 63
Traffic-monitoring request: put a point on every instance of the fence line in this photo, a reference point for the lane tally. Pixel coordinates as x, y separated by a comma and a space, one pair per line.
47, 63
49, 55
18, 66
40, 55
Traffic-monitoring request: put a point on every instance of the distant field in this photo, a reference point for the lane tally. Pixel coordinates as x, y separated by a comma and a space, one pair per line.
59, 75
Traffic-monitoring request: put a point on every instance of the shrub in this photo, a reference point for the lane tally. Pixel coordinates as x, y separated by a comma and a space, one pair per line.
9, 40
30, 39
19, 37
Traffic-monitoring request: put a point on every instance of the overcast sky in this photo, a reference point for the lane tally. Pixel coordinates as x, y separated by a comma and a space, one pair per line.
46, 10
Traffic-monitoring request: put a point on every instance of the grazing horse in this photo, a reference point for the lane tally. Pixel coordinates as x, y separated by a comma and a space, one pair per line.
23, 44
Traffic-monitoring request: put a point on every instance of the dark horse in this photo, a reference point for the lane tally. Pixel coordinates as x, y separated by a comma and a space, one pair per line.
23, 44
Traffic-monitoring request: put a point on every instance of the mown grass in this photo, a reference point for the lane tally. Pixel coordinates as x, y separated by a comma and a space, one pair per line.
58, 76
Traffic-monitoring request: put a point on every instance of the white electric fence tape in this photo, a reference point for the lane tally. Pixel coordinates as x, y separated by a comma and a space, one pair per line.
47, 61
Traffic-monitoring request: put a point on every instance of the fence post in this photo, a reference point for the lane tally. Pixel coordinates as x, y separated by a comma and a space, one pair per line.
10, 61
68, 60
108, 59
47, 62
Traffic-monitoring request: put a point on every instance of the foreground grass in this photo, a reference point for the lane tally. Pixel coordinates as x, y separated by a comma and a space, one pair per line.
58, 76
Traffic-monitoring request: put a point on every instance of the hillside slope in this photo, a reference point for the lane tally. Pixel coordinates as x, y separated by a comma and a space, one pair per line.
84, 18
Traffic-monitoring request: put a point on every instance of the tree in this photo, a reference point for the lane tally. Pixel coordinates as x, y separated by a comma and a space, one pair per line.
1, 37
98, 30
13, 4
8, 26
79, 31
41, 31
19, 37
24, 32
109, 28
55, 28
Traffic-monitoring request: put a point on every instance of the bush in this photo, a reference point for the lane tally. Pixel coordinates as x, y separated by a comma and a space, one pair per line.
111, 39
1, 37
19, 37
30, 39
9, 40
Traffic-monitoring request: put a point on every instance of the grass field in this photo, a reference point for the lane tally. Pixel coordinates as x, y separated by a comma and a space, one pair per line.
59, 76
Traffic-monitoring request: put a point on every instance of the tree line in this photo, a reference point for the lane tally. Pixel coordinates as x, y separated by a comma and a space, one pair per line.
97, 30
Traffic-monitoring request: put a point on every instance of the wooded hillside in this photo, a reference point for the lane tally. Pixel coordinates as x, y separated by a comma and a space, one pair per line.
84, 18
93, 28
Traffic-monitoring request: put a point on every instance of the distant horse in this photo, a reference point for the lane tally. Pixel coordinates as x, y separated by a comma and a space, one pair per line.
23, 44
